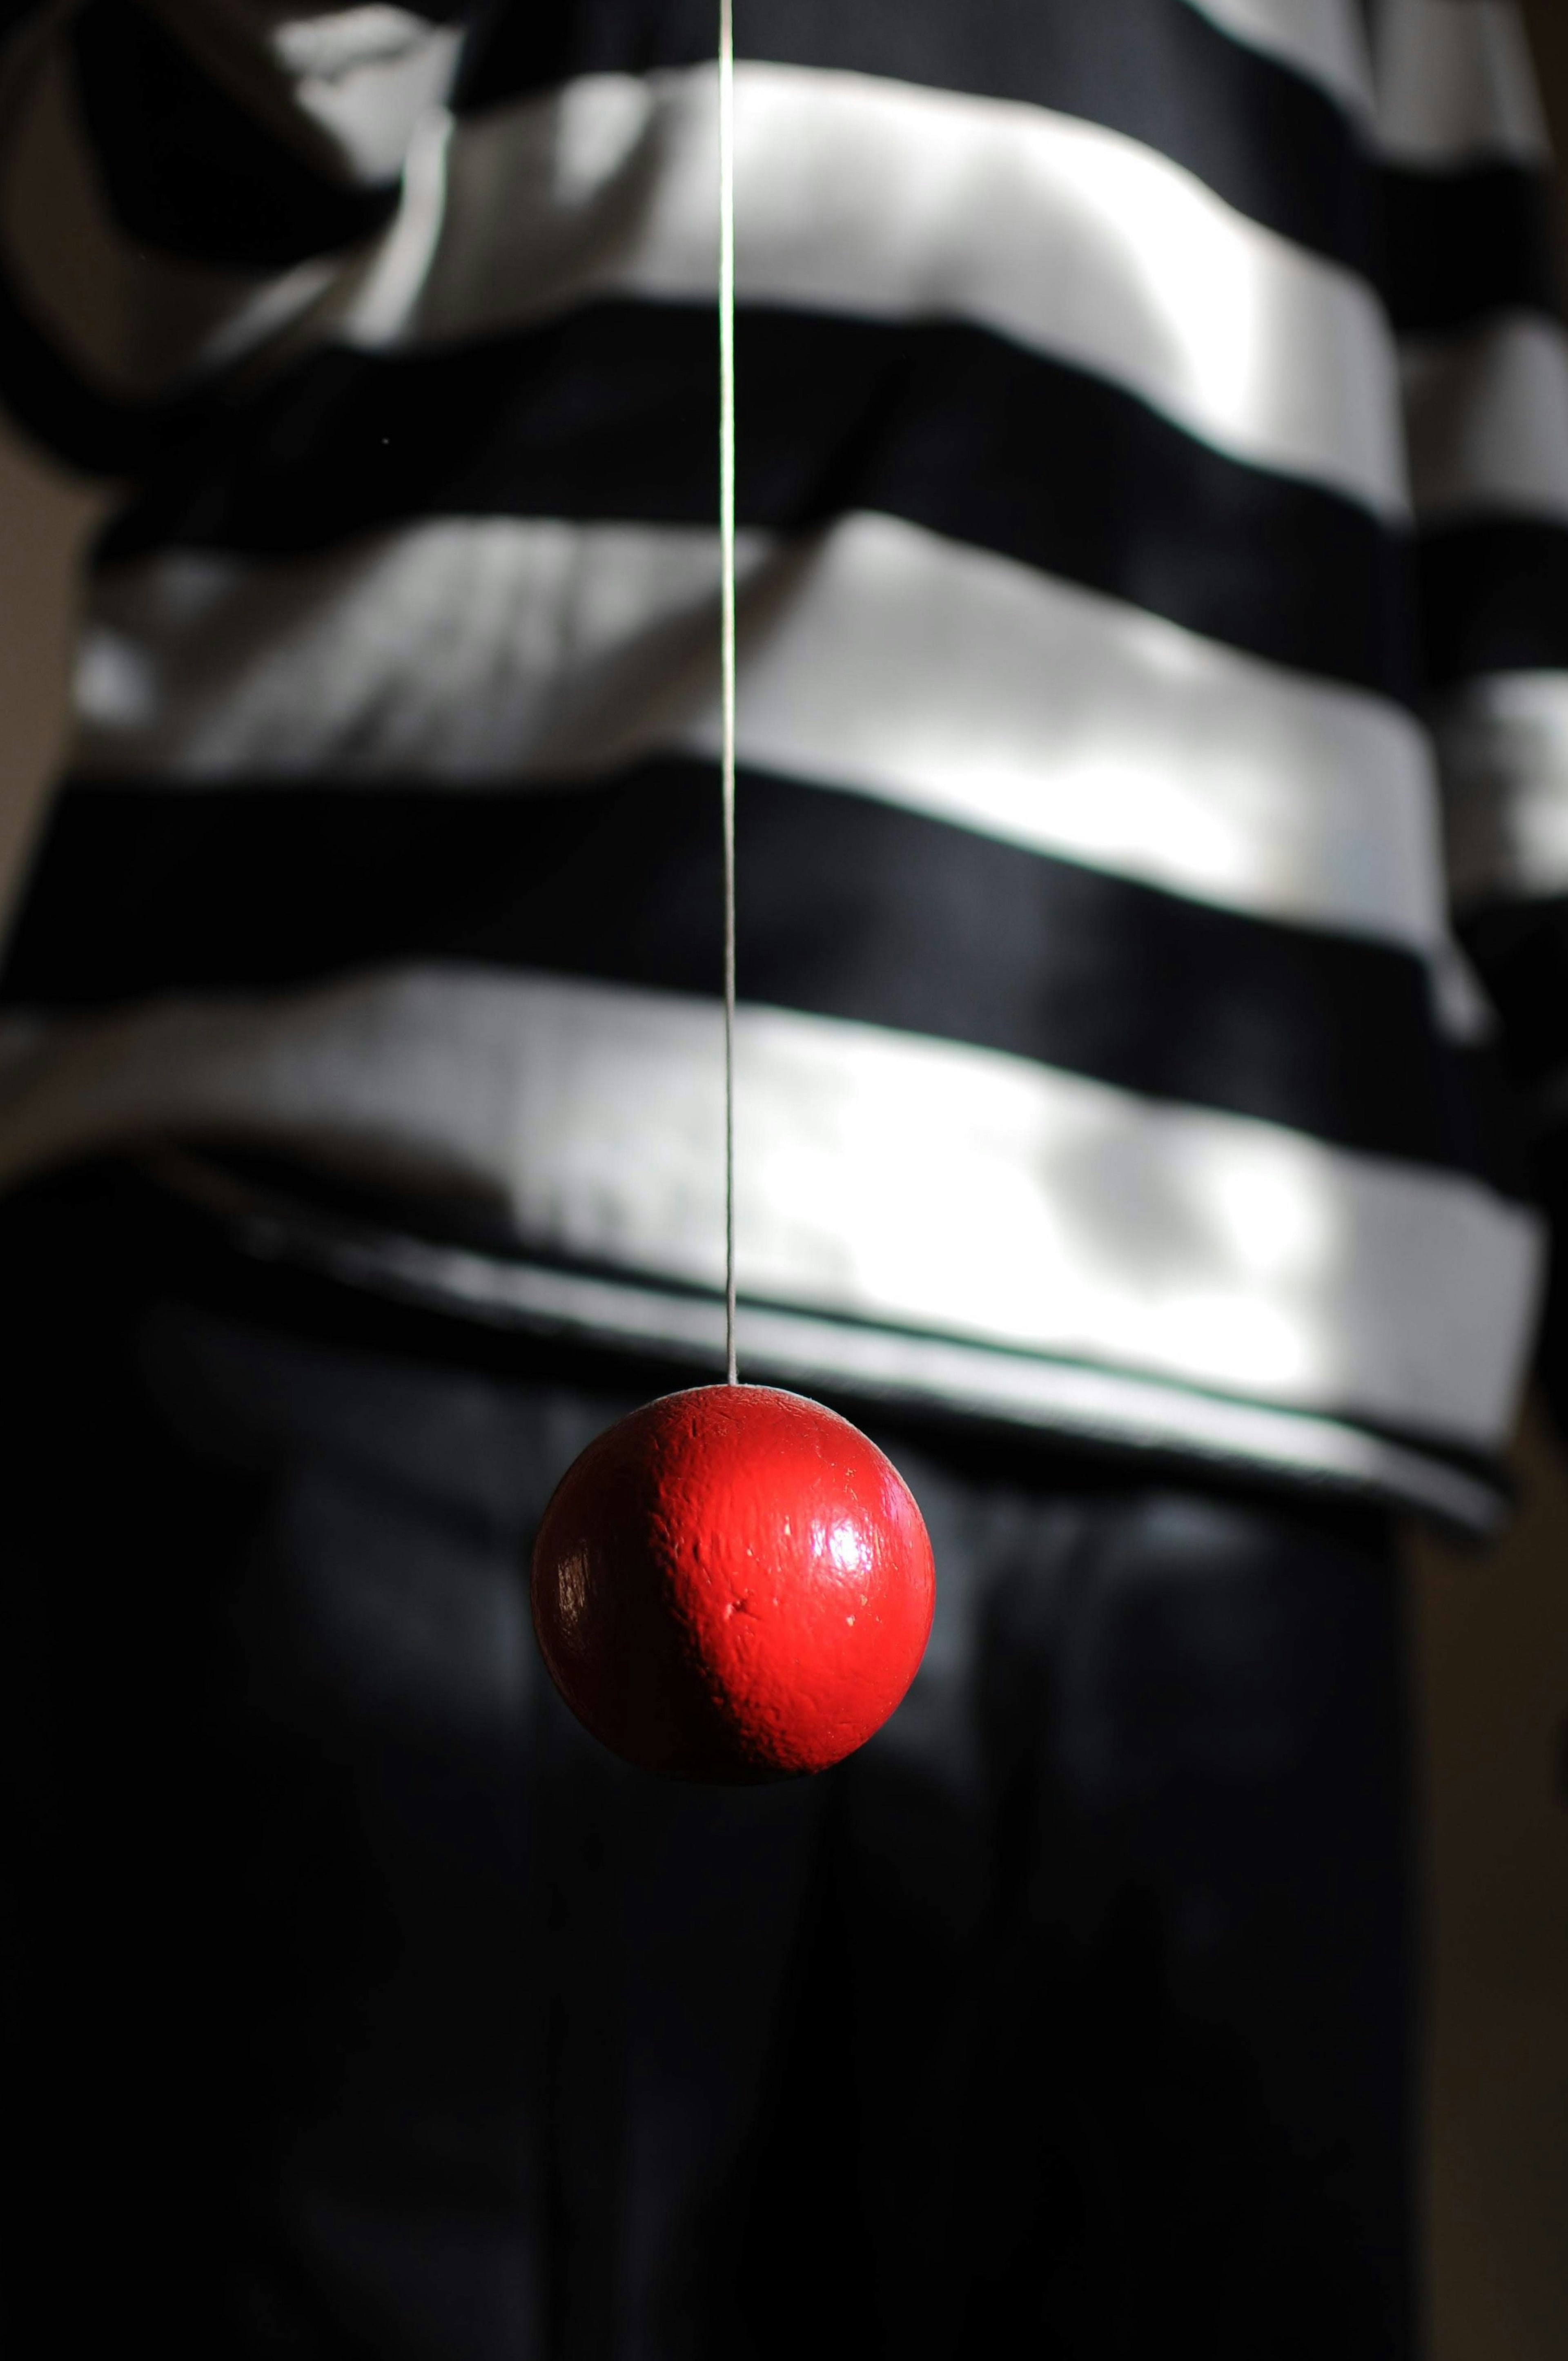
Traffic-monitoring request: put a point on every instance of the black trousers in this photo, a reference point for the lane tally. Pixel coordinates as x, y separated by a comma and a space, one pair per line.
361, 2006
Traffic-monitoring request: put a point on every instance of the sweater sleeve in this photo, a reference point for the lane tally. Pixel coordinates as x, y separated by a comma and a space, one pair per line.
1471, 258
184, 185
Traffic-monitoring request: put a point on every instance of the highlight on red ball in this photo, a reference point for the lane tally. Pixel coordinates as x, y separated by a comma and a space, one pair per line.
733, 1585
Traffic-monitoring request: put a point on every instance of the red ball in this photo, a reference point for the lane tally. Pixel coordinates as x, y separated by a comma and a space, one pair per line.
734, 1584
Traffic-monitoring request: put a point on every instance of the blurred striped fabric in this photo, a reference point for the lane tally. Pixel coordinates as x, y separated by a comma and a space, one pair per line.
1154, 612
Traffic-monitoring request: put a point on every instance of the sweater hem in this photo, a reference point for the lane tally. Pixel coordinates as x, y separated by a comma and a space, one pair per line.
1101, 1408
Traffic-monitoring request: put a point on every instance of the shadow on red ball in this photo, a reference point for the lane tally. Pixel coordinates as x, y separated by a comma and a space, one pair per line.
732, 1583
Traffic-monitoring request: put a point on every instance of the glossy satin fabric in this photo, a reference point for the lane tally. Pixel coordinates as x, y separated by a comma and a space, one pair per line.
367, 2008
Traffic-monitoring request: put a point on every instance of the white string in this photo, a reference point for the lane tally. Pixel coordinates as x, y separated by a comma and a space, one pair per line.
727, 628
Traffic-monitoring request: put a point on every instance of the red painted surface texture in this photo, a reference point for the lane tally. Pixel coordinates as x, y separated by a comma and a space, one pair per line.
732, 1583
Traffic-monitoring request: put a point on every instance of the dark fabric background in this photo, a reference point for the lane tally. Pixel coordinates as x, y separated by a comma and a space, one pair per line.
362, 2007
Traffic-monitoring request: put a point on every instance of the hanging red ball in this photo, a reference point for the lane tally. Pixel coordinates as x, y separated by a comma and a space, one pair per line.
732, 1583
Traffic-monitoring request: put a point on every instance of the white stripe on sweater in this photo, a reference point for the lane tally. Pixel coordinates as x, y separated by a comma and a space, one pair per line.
887, 200
1503, 741
874, 657
883, 1176
1454, 84
1488, 420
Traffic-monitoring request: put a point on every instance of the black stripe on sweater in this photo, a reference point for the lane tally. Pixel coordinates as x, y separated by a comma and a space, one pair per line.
1521, 950
1270, 143
189, 170
1460, 245
1493, 594
611, 414
849, 908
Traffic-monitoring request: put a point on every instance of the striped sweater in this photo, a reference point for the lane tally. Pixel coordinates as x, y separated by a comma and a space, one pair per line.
1154, 629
